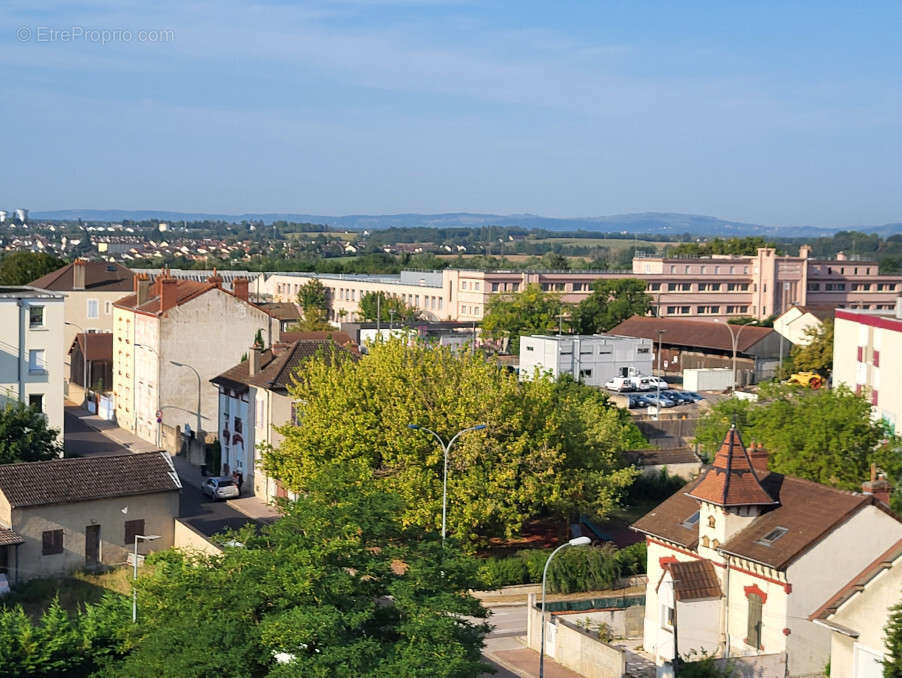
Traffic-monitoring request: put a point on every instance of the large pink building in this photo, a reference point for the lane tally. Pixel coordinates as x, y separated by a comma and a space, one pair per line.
707, 287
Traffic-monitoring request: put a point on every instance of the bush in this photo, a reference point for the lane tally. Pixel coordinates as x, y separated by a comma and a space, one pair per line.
584, 569
498, 572
655, 486
632, 559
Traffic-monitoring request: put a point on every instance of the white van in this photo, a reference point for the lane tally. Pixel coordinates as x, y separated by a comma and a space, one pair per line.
619, 384
648, 383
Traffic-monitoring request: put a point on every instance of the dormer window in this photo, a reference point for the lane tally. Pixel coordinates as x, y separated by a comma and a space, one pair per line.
691, 521
772, 536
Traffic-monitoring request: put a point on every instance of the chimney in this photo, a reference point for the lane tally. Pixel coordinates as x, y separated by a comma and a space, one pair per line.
877, 486
78, 274
805, 251
215, 279
759, 458
279, 347
142, 281
239, 286
253, 360
841, 256
168, 293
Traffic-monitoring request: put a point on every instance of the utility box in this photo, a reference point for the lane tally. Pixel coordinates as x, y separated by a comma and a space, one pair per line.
708, 379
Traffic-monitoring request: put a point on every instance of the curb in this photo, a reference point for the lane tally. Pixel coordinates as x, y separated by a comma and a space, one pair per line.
505, 665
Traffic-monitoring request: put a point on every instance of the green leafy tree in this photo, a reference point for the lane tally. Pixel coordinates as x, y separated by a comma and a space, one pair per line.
531, 311
547, 446
817, 355
25, 435
827, 436
375, 303
313, 298
892, 662
610, 303
21, 268
339, 586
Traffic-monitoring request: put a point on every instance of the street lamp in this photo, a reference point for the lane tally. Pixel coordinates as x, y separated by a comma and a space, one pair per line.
576, 541
197, 374
446, 449
84, 362
660, 334
147, 537
734, 338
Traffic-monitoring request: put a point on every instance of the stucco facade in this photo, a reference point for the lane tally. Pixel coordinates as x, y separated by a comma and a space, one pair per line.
209, 331
867, 358
32, 356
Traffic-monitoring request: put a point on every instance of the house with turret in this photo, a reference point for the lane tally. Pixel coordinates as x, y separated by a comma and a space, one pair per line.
740, 558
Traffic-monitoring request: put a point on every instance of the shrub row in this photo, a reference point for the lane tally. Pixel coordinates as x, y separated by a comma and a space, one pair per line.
577, 569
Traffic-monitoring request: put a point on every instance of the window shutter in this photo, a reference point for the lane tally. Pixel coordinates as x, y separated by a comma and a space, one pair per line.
753, 637
132, 528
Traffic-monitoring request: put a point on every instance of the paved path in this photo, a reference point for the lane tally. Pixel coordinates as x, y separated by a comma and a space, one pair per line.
86, 434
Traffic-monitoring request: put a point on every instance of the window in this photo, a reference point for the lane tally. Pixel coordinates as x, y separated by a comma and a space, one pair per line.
654, 287
51, 542
772, 536
529, 348
35, 316
691, 521
133, 528
37, 361
678, 287
585, 373
107, 307
36, 400
494, 287
666, 616
753, 636
642, 349
93, 309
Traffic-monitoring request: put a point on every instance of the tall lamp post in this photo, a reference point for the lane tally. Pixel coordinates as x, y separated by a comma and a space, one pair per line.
197, 374
734, 339
143, 537
660, 335
577, 541
446, 448
84, 362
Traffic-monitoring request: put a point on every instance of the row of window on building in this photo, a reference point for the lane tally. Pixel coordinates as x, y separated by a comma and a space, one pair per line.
700, 287
52, 540
708, 309
854, 287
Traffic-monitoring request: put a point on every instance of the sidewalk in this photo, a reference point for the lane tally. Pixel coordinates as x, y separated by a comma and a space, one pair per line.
120, 436
524, 662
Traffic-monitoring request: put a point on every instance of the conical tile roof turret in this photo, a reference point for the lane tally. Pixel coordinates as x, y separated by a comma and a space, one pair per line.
733, 479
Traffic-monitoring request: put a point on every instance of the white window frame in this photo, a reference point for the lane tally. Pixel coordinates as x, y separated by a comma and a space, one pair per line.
96, 304
37, 361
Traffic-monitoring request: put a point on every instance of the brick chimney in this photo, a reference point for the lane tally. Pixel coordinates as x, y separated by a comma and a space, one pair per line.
253, 360
759, 458
215, 279
168, 293
239, 286
878, 486
142, 282
78, 274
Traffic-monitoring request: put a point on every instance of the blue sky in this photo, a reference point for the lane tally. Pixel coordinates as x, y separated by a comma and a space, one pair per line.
776, 113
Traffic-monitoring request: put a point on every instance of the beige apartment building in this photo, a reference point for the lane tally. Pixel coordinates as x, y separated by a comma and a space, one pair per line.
867, 357
706, 287
199, 325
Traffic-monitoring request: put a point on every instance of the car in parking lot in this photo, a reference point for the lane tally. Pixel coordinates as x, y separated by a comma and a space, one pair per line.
660, 401
678, 397
638, 401
692, 394
619, 384
220, 488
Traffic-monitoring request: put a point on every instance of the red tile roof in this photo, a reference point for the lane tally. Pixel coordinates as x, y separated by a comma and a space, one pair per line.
692, 333
732, 480
694, 580
186, 290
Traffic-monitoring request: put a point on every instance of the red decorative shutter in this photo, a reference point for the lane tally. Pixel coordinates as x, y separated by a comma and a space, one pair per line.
873, 397
876, 359
861, 354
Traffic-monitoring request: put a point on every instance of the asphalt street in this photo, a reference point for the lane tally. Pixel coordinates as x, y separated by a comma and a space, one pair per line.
195, 508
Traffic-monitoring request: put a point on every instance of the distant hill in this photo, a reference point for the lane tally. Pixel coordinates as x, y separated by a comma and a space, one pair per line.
643, 222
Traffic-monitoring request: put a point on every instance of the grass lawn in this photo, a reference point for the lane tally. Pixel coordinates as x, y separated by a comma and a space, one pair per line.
81, 587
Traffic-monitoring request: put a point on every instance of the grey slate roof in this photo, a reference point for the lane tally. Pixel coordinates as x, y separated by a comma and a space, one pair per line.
66, 481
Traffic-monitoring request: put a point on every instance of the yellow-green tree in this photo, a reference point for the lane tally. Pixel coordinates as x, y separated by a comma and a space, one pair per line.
547, 448
531, 311
817, 354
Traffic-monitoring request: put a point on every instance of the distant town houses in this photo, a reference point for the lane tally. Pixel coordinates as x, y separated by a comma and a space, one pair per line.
740, 558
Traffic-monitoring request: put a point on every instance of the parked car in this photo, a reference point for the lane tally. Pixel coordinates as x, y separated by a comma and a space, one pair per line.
678, 397
657, 382
220, 488
692, 394
619, 384
660, 401
638, 401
